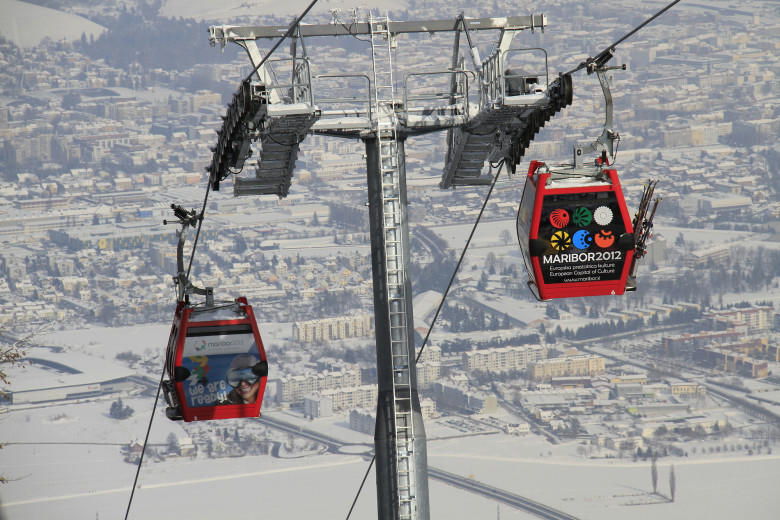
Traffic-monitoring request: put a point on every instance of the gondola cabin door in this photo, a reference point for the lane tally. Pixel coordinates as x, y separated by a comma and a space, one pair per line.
217, 363
575, 233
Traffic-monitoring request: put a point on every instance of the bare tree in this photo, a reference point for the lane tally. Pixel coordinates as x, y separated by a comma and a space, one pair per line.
12, 353
654, 475
672, 482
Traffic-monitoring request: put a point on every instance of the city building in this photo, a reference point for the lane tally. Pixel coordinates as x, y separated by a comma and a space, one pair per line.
50, 376
459, 396
316, 405
732, 362
326, 329
363, 421
502, 359
579, 365
292, 389
364, 396
701, 257
757, 319
685, 344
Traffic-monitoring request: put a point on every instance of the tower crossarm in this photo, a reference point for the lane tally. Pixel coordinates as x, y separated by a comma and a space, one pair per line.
485, 118
277, 110
222, 34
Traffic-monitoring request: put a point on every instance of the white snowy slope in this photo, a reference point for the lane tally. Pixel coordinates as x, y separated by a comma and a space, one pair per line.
27, 24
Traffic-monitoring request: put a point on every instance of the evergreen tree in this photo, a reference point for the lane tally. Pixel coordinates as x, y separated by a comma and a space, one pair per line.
173, 443
482, 284
119, 411
494, 323
507, 323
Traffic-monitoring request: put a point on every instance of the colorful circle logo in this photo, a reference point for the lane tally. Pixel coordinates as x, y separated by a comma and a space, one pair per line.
604, 238
561, 240
602, 215
559, 218
582, 239
581, 217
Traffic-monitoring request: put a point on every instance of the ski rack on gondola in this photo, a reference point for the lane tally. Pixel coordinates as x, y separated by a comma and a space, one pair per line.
643, 227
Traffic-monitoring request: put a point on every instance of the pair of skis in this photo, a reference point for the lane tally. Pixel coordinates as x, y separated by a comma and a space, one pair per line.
643, 227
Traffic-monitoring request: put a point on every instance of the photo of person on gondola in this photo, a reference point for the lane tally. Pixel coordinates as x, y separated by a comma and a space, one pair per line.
244, 380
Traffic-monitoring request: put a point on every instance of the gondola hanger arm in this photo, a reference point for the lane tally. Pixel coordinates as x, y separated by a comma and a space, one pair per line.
184, 287
606, 141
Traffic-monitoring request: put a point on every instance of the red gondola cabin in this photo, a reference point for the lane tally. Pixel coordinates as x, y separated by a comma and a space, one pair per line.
574, 231
216, 362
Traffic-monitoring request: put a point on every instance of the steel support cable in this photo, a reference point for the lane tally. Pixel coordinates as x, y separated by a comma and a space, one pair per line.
361, 486
605, 55
460, 260
292, 28
146, 441
192, 256
162, 376
441, 304
197, 231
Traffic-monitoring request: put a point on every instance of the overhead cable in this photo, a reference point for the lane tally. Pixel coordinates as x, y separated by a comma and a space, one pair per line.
606, 55
292, 28
460, 260
143, 448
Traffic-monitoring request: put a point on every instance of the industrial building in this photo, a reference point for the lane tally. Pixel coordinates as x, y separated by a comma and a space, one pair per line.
48, 376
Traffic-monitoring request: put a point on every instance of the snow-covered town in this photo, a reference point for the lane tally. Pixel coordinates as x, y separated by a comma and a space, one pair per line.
568, 402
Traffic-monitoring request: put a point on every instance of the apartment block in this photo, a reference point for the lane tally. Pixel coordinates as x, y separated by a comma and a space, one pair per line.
502, 359
364, 396
354, 326
581, 365
756, 318
293, 389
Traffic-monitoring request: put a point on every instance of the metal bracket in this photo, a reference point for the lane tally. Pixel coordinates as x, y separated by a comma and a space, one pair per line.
608, 138
183, 285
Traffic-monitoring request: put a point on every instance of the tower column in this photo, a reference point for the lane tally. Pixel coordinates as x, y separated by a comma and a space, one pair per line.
399, 440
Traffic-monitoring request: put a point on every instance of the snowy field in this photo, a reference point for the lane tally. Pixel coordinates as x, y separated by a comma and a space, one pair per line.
27, 24
77, 481
69, 465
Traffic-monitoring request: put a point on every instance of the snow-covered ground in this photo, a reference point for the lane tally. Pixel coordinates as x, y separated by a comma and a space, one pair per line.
27, 24
69, 465
76, 481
